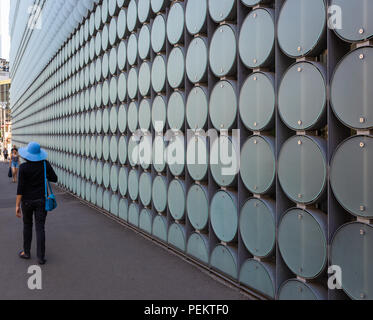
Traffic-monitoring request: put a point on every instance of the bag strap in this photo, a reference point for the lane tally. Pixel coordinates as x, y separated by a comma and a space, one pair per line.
46, 182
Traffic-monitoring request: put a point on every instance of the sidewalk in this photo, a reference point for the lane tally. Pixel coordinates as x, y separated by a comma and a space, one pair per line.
91, 257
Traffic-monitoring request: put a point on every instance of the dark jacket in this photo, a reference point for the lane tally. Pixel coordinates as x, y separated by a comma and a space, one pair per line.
31, 184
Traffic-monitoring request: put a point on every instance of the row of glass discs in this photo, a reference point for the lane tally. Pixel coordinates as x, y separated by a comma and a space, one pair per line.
88, 29
96, 180
351, 163
302, 162
95, 93
99, 176
257, 108
255, 117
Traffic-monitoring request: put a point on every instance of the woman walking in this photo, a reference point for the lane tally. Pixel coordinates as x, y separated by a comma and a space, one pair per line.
31, 197
14, 163
5, 153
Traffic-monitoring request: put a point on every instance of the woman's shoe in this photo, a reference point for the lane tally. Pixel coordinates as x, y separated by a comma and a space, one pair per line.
24, 256
42, 262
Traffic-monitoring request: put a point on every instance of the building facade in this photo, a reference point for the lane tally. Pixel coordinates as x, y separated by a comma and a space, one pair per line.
284, 84
5, 114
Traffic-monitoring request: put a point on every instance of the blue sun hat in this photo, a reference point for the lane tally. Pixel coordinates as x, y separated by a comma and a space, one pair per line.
33, 152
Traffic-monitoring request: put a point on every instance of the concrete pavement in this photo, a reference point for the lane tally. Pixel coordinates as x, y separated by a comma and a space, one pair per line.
92, 257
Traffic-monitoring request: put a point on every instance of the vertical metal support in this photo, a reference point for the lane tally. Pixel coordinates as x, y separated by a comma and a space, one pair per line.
282, 134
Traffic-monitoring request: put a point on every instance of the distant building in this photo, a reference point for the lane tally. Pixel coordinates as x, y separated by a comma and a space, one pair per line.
5, 117
4, 69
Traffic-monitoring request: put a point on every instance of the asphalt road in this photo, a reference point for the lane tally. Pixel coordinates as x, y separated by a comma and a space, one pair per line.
92, 257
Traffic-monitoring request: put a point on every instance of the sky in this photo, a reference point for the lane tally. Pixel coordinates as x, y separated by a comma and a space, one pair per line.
4, 29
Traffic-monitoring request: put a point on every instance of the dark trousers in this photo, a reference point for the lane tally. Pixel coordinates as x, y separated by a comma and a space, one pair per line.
29, 209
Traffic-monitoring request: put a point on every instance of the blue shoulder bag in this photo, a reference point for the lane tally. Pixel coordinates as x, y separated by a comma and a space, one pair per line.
50, 201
